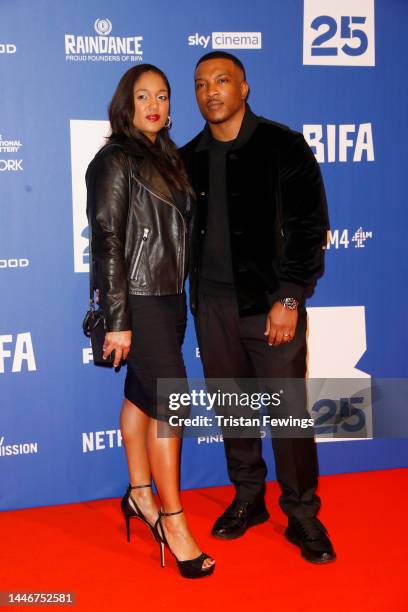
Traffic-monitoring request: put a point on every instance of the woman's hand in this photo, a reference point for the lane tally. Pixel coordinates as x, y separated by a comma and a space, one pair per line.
118, 342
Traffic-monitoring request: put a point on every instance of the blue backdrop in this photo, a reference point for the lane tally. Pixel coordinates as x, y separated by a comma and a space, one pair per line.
334, 70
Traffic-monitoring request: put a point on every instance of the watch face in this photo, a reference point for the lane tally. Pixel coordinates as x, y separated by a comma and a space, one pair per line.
290, 303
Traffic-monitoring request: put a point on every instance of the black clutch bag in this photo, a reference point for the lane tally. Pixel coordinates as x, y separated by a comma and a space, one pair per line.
95, 328
94, 324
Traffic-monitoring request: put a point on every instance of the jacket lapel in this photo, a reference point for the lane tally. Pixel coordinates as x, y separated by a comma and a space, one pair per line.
146, 171
152, 179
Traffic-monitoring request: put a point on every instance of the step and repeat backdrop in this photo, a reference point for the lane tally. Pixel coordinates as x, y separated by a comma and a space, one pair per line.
335, 70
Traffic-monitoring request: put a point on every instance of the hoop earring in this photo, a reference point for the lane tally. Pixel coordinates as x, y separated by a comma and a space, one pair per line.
168, 123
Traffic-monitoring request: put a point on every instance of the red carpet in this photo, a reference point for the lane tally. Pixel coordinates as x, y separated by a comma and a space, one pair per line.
83, 548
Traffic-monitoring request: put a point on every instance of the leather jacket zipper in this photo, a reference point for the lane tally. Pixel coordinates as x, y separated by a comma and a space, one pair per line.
183, 223
146, 232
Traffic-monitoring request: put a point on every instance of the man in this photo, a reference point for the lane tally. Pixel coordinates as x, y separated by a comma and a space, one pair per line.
256, 252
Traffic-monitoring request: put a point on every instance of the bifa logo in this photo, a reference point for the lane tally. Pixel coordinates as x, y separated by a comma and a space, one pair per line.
227, 40
342, 143
11, 165
87, 137
337, 239
14, 263
17, 353
7, 49
103, 48
338, 33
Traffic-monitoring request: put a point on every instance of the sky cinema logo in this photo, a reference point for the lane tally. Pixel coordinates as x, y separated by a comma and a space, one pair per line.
237, 40
227, 40
102, 47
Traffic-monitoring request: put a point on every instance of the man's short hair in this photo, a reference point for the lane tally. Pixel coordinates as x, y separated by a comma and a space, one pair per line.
222, 55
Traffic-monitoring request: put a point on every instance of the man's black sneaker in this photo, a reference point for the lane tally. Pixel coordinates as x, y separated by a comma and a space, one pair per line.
238, 517
311, 537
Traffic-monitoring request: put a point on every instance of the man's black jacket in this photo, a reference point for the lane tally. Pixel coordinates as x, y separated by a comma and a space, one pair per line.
277, 214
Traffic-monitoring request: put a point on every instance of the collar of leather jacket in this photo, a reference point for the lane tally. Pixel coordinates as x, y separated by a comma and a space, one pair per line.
129, 146
144, 169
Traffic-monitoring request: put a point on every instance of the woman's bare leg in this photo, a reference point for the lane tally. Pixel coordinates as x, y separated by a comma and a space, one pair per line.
164, 459
134, 425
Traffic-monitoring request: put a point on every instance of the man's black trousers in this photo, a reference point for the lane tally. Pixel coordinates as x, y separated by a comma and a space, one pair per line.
235, 347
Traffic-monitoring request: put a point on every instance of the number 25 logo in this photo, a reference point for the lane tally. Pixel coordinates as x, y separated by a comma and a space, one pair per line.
348, 30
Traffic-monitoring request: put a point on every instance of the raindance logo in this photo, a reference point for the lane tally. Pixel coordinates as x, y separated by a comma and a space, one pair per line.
103, 48
103, 27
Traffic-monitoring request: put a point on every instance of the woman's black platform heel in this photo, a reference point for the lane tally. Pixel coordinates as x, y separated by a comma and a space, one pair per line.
192, 568
130, 510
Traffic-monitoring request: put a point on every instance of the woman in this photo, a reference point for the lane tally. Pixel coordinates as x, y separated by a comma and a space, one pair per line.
138, 209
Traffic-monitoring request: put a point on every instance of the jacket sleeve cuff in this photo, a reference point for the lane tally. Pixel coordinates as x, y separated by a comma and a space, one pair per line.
293, 290
121, 324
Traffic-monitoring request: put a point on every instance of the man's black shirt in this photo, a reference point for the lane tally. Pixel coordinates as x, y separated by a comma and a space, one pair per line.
216, 276
216, 265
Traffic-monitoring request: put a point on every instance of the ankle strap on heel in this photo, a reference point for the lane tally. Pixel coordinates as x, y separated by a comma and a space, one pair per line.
139, 486
161, 513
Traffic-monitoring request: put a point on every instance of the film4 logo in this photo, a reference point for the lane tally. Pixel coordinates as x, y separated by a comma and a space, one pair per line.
337, 239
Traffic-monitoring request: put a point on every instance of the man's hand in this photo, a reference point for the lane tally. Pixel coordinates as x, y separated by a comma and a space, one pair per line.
118, 342
280, 324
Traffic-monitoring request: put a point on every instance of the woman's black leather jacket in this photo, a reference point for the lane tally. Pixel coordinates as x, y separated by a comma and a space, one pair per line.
138, 235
